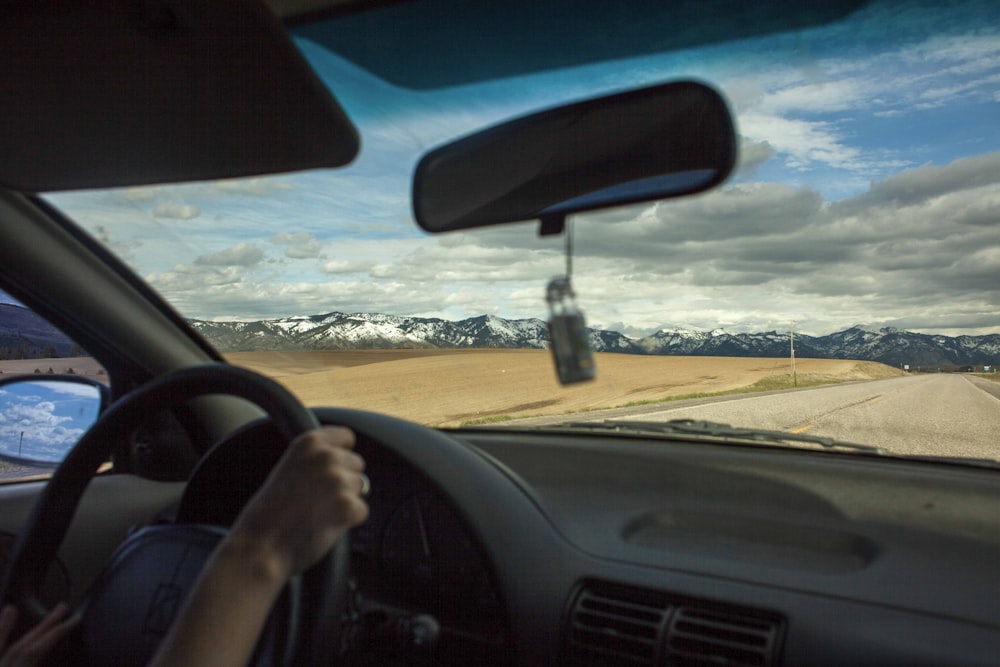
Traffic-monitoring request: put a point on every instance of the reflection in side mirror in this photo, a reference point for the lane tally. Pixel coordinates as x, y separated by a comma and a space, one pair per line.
41, 419
652, 143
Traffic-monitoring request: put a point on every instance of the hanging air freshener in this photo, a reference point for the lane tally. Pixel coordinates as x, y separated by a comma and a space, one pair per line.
568, 334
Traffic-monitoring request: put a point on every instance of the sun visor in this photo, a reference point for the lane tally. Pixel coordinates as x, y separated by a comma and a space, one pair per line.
108, 93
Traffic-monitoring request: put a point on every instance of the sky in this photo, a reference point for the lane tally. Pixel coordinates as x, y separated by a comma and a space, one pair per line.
867, 192
41, 420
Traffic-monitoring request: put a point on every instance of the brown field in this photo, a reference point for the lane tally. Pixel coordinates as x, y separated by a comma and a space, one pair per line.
449, 387
84, 366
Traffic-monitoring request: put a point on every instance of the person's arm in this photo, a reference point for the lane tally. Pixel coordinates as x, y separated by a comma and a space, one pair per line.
33, 646
310, 499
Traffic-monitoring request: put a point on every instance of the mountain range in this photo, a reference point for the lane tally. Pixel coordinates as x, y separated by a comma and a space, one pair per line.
341, 331
23, 334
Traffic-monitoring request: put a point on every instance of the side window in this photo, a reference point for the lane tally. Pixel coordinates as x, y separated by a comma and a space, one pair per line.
51, 391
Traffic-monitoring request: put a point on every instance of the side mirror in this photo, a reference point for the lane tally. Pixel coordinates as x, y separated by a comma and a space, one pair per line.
42, 418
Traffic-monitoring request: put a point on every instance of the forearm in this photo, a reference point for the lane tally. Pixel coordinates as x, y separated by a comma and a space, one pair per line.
310, 499
223, 618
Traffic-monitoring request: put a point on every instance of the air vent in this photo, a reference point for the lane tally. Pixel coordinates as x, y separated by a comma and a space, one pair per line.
701, 637
612, 626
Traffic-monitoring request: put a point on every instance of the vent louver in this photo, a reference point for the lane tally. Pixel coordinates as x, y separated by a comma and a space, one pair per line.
621, 626
702, 637
613, 626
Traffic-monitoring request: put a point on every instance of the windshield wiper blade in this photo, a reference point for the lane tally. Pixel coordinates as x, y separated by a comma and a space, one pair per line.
726, 432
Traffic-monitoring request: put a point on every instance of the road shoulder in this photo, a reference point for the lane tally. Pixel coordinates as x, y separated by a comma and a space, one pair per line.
988, 386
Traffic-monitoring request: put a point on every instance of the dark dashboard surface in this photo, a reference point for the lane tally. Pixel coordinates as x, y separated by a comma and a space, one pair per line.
532, 548
637, 550
830, 524
416, 555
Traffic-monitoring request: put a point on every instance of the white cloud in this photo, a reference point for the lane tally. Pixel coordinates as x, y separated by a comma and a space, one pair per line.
926, 182
309, 250
345, 266
815, 97
69, 389
807, 113
262, 186
290, 239
29, 426
748, 256
298, 246
176, 210
801, 142
752, 154
188, 278
241, 254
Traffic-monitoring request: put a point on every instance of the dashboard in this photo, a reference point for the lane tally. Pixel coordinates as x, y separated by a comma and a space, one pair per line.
419, 568
541, 548
500, 547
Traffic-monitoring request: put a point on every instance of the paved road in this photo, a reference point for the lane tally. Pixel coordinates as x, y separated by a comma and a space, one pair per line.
942, 414
9, 471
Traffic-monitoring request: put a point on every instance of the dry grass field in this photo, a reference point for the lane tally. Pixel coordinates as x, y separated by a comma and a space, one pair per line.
84, 366
451, 387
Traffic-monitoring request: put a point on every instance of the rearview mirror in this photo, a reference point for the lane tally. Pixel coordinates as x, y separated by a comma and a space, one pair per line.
653, 143
41, 419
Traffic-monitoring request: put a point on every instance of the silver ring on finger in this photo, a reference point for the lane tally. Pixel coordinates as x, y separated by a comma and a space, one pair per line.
366, 485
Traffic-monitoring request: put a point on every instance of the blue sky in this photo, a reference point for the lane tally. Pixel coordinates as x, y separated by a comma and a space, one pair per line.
42, 420
868, 192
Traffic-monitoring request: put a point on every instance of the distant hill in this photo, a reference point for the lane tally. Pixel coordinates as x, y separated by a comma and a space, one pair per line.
25, 335
343, 331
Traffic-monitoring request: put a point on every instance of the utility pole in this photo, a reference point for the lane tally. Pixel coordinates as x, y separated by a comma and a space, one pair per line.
791, 342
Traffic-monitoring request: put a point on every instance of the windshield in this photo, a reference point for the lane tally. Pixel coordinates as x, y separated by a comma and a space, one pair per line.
845, 275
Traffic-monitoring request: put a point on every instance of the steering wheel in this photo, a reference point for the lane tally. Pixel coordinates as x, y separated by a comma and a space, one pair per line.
154, 568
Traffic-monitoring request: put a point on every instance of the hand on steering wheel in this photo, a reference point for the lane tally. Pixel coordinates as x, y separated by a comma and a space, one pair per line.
311, 498
324, 458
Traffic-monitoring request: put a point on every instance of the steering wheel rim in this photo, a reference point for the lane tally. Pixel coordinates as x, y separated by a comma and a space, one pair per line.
53, 512
219, 487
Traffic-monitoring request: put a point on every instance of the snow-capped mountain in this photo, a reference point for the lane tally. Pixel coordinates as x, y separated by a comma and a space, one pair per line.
24, 335
894, 346
721, 343
888, 345
338, 331
342, 331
